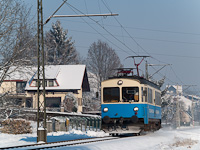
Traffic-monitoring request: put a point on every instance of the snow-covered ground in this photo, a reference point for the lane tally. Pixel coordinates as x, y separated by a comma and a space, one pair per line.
164, 139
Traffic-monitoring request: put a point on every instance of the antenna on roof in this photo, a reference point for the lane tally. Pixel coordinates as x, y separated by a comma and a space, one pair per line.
137, 65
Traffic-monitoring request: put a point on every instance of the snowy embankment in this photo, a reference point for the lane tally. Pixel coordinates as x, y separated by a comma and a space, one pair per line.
7, 140
164, 139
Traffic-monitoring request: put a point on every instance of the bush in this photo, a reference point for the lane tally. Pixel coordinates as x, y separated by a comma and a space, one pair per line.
16, 126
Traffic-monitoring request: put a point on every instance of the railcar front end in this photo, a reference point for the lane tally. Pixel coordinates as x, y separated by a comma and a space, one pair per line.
129, 105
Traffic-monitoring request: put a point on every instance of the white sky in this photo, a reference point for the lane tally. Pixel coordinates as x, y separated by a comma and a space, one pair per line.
169, 31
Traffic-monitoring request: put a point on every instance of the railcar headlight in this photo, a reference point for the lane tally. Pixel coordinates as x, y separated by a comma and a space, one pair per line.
136, 109
105, 109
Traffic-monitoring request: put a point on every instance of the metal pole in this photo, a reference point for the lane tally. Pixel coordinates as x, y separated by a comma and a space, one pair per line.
177, 110
146, 69
85, 124
41, 101
192, 111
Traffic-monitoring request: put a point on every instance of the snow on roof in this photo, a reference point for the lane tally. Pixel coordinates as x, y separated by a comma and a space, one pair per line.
20, 73
68, 77
187, 102
180, 88
194, 96
51, 72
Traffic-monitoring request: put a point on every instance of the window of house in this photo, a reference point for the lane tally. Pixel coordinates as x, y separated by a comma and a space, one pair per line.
20, 87
53, 101
51, 83
79, 102
48, 83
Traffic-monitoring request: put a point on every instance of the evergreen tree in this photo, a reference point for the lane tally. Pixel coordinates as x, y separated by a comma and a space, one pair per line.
59, 48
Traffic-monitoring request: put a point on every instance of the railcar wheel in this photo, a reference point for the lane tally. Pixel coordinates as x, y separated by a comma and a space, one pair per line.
134, 119
106, 119
113, 134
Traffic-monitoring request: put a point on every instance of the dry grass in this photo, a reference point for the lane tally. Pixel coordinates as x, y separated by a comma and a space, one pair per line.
16, 127
184, 142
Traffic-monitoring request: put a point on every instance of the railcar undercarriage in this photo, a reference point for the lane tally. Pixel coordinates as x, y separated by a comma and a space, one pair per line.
129, 125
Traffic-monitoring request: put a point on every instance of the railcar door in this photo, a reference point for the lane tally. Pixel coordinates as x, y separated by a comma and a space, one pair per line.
130, 100
145, 105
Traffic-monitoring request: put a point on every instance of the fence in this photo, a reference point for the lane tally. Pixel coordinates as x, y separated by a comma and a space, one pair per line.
77, 123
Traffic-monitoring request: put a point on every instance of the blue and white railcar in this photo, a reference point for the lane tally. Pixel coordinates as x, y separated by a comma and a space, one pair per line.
130, 104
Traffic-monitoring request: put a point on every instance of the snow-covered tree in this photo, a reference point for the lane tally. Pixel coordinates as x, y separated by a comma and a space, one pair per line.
70, 103
90, 99
59, 48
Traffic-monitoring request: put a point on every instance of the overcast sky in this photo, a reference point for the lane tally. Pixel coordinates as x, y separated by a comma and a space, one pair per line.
167, 30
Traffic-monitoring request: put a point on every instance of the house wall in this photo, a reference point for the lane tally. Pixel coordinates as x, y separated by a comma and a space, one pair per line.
56, 94
9, 86
79, 98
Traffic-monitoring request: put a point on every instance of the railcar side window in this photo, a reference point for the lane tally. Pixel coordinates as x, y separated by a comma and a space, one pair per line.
111, 95
145, 94
158, 98
130, 94
142, 93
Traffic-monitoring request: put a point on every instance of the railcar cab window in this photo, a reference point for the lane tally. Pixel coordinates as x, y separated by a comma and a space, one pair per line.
111, 95
130, 94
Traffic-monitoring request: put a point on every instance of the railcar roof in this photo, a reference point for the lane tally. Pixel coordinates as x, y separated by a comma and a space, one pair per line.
141, 79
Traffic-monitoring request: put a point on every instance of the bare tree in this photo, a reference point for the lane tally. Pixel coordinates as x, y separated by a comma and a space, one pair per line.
59, 48
16, 46
102, 60
16, 38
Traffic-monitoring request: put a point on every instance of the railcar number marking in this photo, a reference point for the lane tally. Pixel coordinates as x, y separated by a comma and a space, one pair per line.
151, 111
157, 112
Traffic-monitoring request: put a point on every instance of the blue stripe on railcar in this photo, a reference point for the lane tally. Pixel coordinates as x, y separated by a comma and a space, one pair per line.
145, 111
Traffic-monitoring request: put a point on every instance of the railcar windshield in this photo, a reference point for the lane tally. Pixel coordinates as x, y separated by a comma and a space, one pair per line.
130, 94
111, 95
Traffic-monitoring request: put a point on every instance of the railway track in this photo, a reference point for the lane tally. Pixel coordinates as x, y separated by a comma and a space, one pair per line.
60, 144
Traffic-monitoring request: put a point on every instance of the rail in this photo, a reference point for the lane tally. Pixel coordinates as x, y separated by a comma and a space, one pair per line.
61, 143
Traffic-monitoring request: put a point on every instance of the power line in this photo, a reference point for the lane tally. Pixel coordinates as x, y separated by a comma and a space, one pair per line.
118, 39
103, 29
129, 33
142, 38
181, 56
145, 29
176, 75
98, 31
